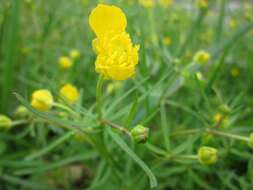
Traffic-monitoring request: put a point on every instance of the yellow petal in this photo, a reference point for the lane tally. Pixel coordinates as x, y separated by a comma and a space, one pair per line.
105, 18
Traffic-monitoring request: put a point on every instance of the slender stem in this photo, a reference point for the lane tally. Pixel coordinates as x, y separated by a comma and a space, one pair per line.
116, 126
18, 122
185, 157
238, 137
66, 108
98, 98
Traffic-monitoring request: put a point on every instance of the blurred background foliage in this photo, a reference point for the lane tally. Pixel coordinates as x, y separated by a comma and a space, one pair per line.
164, 95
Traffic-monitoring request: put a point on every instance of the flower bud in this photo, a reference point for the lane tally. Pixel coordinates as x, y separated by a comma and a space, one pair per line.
207, 155
251, 140
42, 100
65, 62
201, 57
140, 134
74, 54
21, 112
69, 93
5, 122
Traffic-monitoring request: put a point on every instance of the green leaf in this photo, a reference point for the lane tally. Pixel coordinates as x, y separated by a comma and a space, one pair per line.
141, 163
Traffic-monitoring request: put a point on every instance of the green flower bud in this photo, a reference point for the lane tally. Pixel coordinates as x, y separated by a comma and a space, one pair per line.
207, 155
251, 140
21, 112
5, 122
140, 134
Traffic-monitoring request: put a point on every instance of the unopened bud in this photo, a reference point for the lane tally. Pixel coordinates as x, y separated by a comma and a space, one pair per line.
5, 122
21, 112
140, 134
207, 155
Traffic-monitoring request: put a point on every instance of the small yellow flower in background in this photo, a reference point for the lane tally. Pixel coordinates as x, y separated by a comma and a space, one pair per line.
65, 62
42, 100
167, 41
111, 87
116, 55
5, 122
233, 24
147, 3
207, 155
201, 57
69, 93
75, 54
218, 117
165, 3
202, 4
235, 72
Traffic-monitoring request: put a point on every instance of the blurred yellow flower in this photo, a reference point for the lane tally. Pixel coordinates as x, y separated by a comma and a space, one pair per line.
74, 54
233, 24
202, 3
147, 3
218, 117
167, 41
201, 57
116, 55
166, 3
65, 62
42, 100
235, 72
69, 93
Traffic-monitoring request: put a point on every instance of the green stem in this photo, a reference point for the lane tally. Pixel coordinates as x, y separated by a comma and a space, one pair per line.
238, 137
66, 108
98, 98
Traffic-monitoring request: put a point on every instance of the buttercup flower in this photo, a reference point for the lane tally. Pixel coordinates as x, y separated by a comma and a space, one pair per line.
74, 54
147, 3
207, 155
201, 57
116, 55
202, 4
69, 93
65, 62
165, 3
42, 100
167, 41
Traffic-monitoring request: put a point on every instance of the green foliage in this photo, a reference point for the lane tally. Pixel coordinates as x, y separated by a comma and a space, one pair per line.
184, 105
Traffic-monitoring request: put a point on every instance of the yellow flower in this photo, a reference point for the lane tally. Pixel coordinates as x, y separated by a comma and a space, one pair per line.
202, 4
74, 54
218, 117
147, 3
167, 41
42, 100
235, 72
65, 62
201, 57
69, 93
165, 3
116, 55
